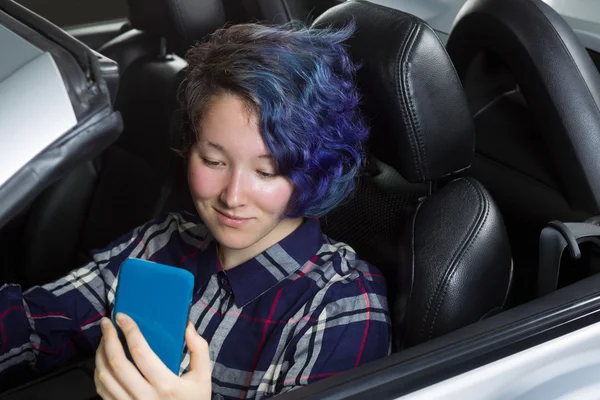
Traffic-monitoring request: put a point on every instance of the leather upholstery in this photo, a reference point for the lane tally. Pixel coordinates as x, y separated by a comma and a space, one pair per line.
460, 259
445, 256
181, 22
464, 275
556, 76
54, 226
421, 120
130, 46
147, 100
131, 186
282, 11
133, 170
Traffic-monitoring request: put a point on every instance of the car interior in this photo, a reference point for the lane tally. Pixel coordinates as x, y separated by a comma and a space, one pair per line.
475, 147
534, 93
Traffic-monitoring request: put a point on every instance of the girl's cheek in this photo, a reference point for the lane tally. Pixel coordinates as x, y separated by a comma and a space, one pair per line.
273, 196
203, 182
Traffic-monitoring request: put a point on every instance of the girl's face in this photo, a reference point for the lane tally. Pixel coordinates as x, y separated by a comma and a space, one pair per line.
233, 180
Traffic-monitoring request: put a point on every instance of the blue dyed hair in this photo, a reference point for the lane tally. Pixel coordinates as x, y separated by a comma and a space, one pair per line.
301, 84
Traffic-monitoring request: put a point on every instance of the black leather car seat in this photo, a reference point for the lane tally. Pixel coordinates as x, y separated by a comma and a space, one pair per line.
123, 188
441, 243
161, 27
282, 11
534, 93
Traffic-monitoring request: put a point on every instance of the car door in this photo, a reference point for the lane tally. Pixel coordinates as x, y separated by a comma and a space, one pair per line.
55, 106
521, 353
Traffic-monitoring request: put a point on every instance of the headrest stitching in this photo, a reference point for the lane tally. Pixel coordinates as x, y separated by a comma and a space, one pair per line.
424, 166
401, 89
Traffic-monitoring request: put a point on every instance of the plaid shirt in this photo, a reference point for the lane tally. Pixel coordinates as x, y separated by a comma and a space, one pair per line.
303, 310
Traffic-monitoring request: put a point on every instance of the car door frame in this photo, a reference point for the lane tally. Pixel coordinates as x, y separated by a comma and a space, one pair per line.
559, 313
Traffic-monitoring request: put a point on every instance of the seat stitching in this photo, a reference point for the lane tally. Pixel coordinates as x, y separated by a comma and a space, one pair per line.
416, 126
412, 274
444, 287
401, 92
439, 285
510, 278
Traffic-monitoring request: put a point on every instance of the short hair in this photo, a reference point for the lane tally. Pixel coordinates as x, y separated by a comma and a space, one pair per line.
300, 82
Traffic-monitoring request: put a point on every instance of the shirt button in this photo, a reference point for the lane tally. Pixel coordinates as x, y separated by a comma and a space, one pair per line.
224, 281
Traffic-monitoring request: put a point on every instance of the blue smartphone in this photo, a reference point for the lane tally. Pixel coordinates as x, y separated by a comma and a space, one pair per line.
158, 298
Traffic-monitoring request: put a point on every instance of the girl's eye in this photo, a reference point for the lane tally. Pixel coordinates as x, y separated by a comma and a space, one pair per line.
211, 163
266, 175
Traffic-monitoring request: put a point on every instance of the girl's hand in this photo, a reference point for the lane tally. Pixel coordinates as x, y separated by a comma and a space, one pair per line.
117, 378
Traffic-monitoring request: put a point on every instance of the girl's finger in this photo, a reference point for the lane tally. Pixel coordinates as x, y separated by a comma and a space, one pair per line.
102, 392
121, 368
107, 386
199, 355
150, 365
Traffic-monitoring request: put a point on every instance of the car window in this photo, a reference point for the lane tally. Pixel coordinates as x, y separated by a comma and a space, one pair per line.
68, 13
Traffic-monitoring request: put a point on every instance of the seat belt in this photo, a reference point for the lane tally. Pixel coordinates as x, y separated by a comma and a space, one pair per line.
554, 240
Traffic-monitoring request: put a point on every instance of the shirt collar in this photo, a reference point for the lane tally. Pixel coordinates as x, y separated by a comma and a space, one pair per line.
206, 262
269, 268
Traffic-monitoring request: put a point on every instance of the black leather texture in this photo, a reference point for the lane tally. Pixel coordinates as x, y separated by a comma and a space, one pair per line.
372, 221
133, 170
381, 205
130, 46
460, 258
421, 123
147, 100
555, 74
54, 225
181, 22
445, 256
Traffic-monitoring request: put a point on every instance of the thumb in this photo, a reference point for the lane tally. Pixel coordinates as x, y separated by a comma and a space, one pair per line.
199, 355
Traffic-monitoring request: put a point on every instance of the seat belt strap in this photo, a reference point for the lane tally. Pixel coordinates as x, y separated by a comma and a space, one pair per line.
554, 240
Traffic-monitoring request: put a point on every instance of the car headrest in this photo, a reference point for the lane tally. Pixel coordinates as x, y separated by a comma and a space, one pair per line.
420, 120
180, 22
554, 73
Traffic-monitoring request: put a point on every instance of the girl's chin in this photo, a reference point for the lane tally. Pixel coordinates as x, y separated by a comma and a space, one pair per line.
234, 244
233, 238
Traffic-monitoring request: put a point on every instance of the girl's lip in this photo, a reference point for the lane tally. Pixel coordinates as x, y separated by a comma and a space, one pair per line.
231, 216
231, 221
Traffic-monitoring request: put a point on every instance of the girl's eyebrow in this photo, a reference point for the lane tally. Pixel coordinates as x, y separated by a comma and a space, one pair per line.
215, 145
220, 148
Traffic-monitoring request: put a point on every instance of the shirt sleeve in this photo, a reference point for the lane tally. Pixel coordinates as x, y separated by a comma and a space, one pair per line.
46, 326
351, 330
